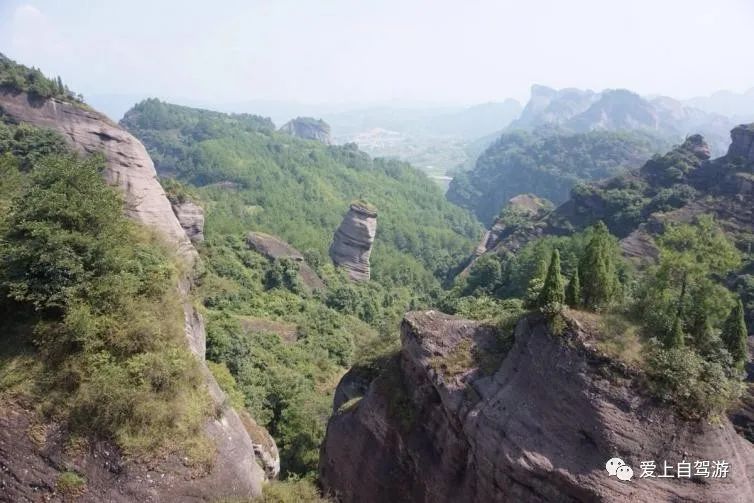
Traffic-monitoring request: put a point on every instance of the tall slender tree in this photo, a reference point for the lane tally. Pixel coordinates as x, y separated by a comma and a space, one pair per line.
598, 279
552, 296
573, 290
735, 336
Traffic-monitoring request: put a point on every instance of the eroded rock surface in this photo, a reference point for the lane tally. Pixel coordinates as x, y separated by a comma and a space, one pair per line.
352, 243
235, 472
191, 217
128, 164
273, 248
451, 423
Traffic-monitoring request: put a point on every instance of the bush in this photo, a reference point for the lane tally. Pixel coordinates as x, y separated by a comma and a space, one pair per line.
99, 292
695, 386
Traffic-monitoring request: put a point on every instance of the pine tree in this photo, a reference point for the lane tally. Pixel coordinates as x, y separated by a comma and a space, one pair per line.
552, 296
573, 291
674, 338
597, 270
735, 336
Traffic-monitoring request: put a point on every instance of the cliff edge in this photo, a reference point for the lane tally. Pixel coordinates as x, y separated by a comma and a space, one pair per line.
458, 417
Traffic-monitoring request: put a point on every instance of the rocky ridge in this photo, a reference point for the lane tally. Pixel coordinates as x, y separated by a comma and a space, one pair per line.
308, 128
457, 419
352, 243
235, 472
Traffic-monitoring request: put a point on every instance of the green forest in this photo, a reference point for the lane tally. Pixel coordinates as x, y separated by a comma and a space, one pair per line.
282, 347
546, 162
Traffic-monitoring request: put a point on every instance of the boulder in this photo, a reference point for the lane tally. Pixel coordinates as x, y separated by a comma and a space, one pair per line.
460, 417
308, 128
273, 248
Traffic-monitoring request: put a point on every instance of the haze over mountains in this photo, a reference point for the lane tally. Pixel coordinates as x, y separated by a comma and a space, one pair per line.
348, 267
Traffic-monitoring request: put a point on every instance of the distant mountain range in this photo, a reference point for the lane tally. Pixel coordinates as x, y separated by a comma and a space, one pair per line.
580, 111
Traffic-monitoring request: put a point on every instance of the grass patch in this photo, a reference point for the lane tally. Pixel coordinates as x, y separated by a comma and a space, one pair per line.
70, 483
620, 338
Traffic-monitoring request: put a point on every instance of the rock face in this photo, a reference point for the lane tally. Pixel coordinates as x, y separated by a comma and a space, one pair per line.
353, 241
450, 422
128, 164
235, 472
742, 144
308, 128
191, 218
273, 248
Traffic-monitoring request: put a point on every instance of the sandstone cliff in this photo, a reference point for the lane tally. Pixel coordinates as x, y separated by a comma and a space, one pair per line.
352, 243
235, 472
307, 128
456, 418
191, 217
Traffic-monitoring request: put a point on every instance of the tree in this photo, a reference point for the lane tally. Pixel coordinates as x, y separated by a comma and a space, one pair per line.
573, 291
598, 279
685, 282
735, 336
552, 296
675, 338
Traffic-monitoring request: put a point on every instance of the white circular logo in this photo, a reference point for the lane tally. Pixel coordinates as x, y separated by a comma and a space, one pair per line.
613, 464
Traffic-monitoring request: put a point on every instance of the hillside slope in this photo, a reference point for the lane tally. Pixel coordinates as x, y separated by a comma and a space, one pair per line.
232, 468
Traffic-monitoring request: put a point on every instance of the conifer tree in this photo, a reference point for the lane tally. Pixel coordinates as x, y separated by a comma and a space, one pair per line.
573, 291
675, 338
735, 336
552, 296
597, 270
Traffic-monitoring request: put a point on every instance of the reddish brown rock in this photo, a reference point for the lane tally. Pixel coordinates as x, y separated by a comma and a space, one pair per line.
449, 423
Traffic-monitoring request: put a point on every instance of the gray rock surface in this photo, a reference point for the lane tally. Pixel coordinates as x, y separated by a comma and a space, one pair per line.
449, 423
308, 128
742, 144
352, 243
191, 217
235, 472
273, 248
128, 164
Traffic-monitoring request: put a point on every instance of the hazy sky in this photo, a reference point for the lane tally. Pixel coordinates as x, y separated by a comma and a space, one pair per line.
314, 51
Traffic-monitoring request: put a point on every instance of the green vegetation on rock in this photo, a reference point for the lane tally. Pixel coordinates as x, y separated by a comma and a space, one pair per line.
19, 78
91, 325
284, 345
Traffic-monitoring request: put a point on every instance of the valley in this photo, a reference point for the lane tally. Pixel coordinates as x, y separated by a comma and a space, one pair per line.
272, 302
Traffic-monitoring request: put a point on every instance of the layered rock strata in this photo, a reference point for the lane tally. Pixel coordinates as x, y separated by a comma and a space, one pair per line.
352, 243
455, 419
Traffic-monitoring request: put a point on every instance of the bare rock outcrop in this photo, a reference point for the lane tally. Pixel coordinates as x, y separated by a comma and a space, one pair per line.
191, 217
273, 248
308, 128
352, 243
456, 418
235, 471
742, 144
128, 164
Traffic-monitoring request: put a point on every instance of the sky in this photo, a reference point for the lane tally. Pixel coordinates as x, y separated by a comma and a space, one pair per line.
378, 51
